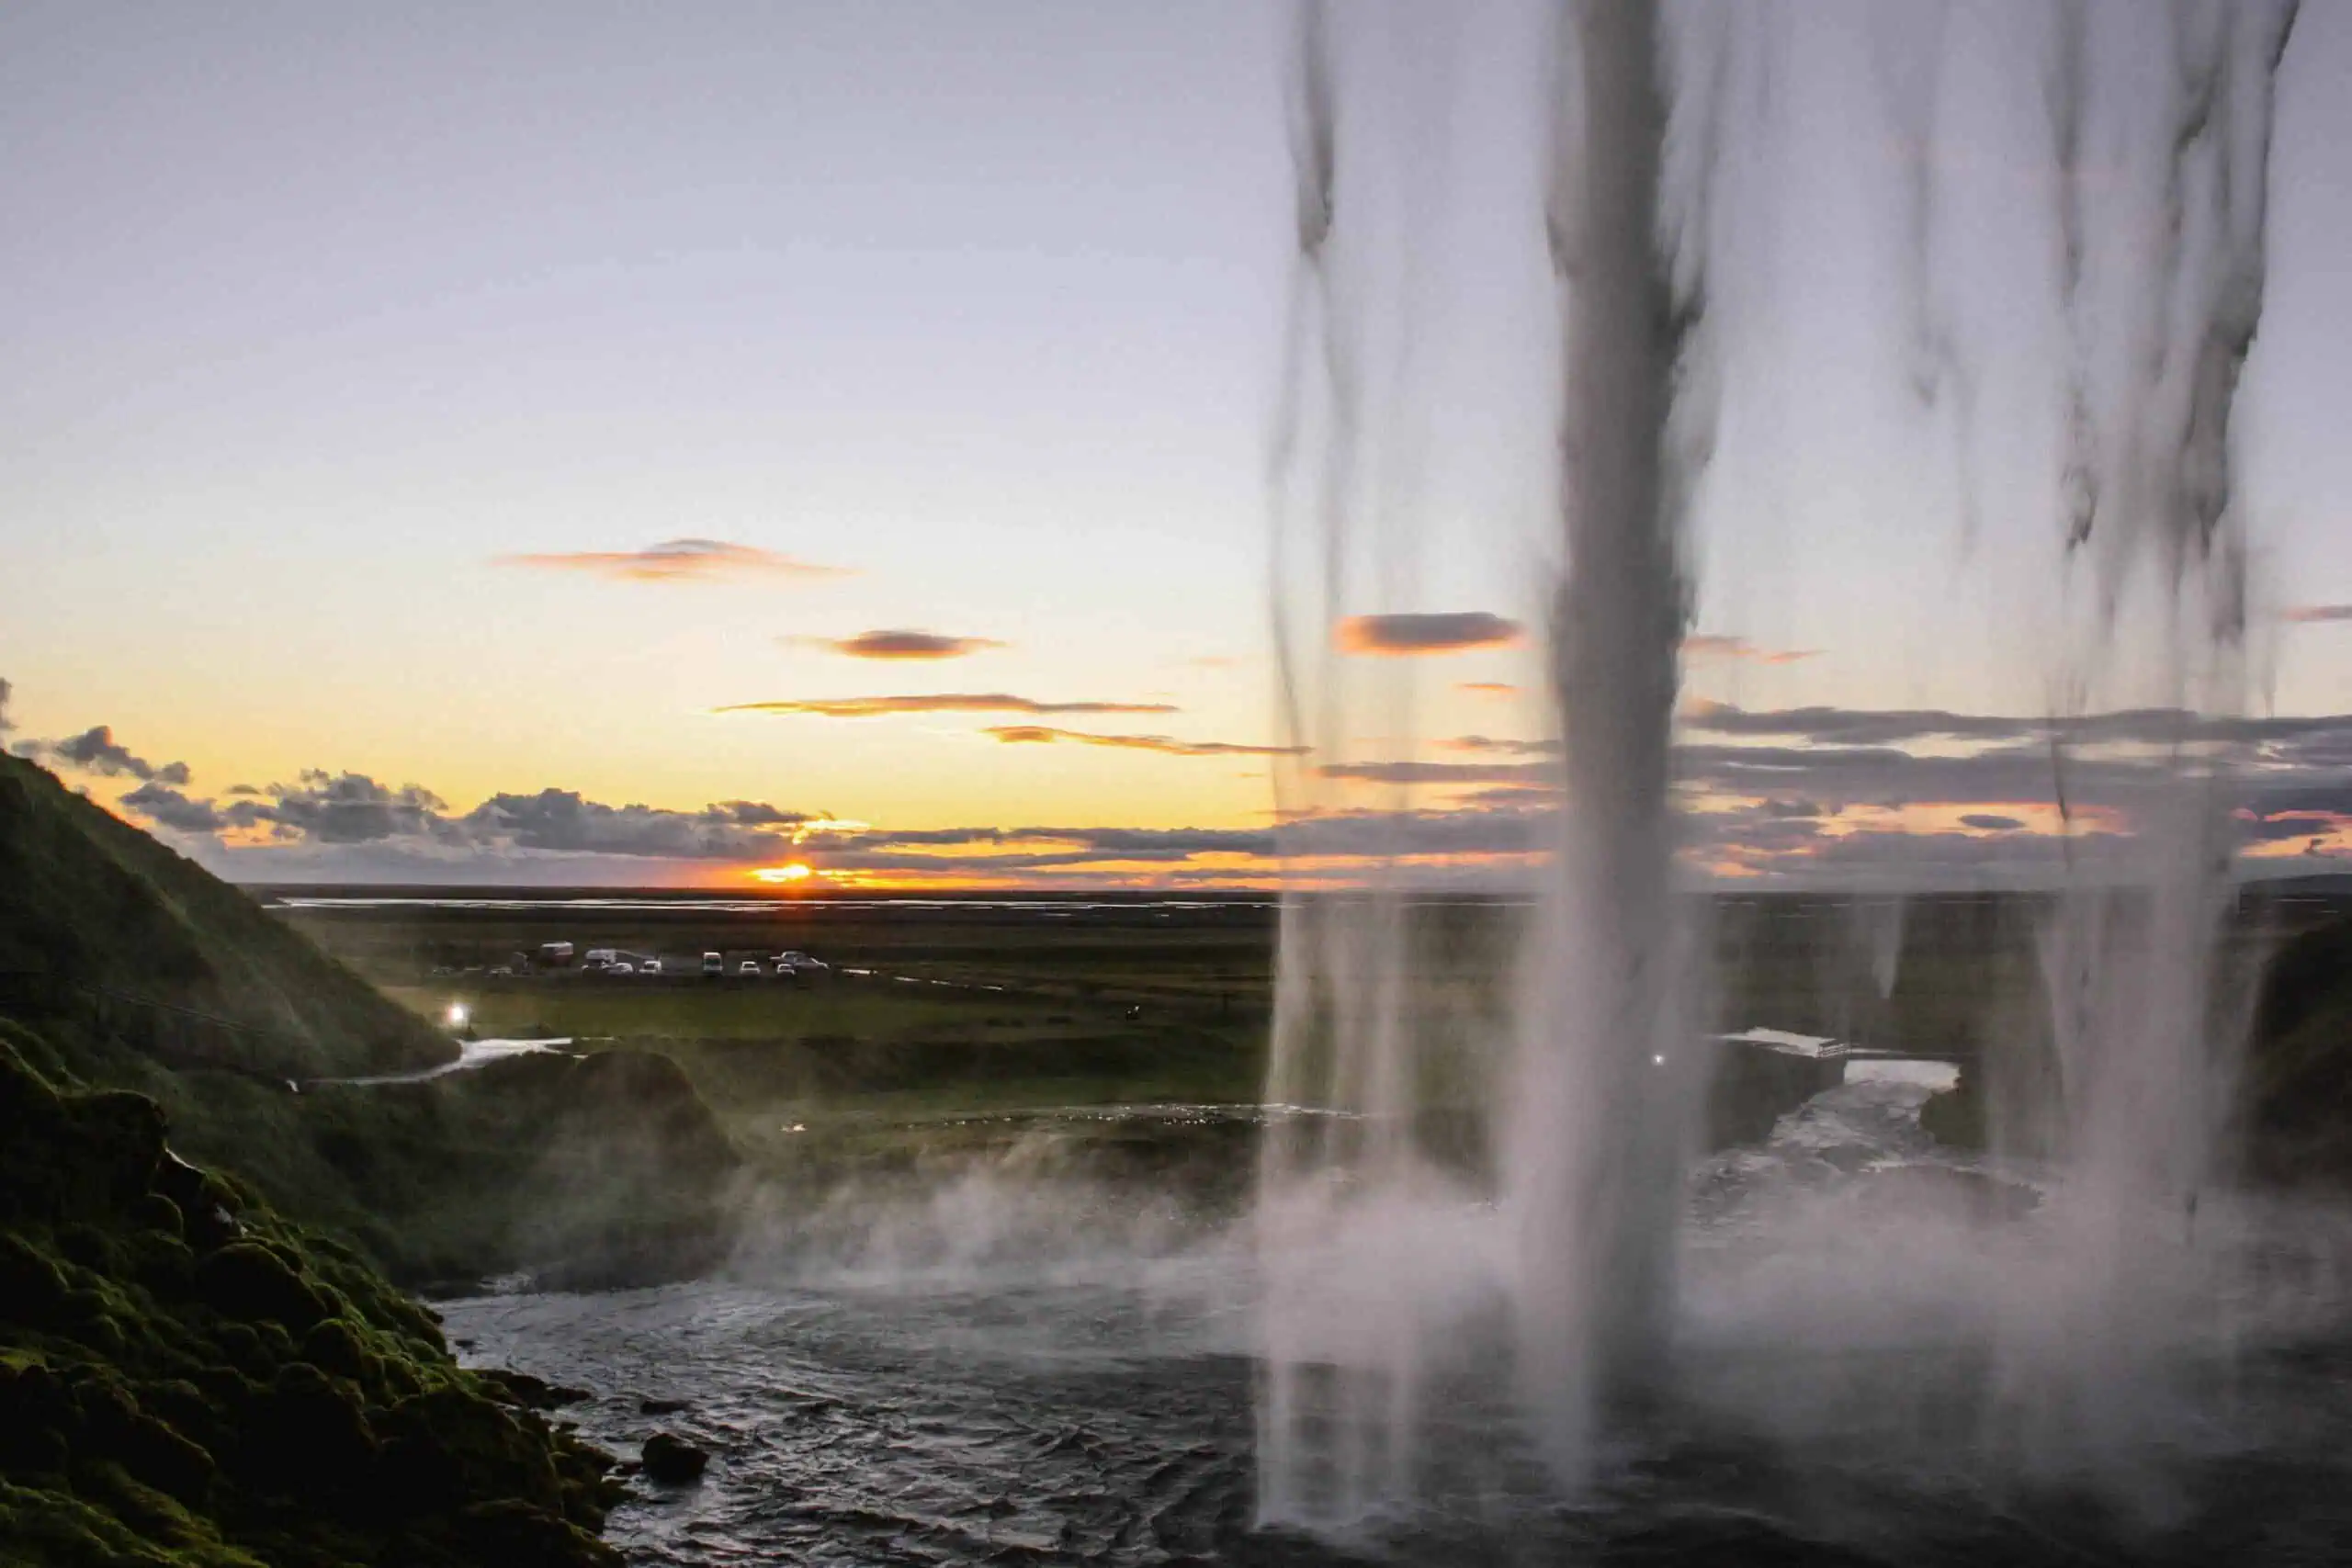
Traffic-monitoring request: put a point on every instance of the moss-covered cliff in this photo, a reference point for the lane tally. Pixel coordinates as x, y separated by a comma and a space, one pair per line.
188, 1379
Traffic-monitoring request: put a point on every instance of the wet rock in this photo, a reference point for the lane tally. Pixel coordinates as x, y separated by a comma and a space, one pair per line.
649, 1406
448, 1442
673, 1461
529, 1393
516, 1535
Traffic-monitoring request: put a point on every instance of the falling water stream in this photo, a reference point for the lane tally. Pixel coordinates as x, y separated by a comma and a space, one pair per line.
1551, 1249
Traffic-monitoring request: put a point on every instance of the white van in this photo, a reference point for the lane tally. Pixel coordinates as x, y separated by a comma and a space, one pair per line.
714, 965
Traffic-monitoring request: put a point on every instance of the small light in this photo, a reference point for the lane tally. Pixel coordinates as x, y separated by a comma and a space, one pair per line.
456, 1015
1659, 1061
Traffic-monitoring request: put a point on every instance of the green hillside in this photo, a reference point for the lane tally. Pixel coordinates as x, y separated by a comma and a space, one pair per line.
146, 972
104, 929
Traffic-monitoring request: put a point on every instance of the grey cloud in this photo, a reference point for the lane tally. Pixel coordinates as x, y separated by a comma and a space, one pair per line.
1880, 727
2275, 829
1438, 773
352, 808
169, 808
7, 690
1991, 823
94, 750
564, 821
1855, 725
2309, 613
677, 560
901, 645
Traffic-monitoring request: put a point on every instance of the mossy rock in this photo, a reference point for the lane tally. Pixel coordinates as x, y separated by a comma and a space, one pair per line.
231, 1391
251, 1283
334, 1346
448, 1437
32, 1288
308, 1433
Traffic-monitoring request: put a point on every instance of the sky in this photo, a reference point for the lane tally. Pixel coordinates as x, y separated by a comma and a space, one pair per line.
503, 444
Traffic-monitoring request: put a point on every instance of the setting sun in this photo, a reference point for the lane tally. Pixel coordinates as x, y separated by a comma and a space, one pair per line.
796, 871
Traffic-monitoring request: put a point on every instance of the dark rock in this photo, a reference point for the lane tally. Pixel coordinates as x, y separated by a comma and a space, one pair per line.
448, 1442
334, 1346
32, 1289
514, 1534
673, 1461
153, 1210
250, 1283
310, 1434
663, 1406
527, 1393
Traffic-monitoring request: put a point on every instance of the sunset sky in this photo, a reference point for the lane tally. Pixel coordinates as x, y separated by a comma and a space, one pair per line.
647, 446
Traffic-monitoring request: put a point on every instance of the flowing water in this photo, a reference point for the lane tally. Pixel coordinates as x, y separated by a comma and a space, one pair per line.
1009, 1371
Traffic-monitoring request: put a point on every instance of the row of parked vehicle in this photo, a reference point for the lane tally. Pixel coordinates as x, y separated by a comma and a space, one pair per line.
614, 961
794, 966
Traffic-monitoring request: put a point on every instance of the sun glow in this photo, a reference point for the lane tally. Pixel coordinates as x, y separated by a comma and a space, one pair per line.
796, 871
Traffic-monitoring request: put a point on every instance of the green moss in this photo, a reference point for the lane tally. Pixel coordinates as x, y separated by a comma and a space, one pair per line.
247, 1393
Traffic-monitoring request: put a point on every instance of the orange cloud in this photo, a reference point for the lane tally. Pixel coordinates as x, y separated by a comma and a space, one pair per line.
1492, 747
1454, 632
940, 701
1038, 734
900, 645
2309, 613
1705, 646
677, 560
1487, 688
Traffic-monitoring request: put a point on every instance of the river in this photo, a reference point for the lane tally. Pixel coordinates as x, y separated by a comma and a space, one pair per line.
1013, 1367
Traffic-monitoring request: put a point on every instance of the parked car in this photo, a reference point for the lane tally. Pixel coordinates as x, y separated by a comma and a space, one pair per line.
623, 967
714, 964
650, 967
750, 969
797, 964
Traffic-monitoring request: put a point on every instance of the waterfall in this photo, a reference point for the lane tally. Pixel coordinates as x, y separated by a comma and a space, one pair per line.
1491, 1180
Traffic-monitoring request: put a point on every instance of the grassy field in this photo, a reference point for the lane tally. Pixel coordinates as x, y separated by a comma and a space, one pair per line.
980, 1009
933, 1014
